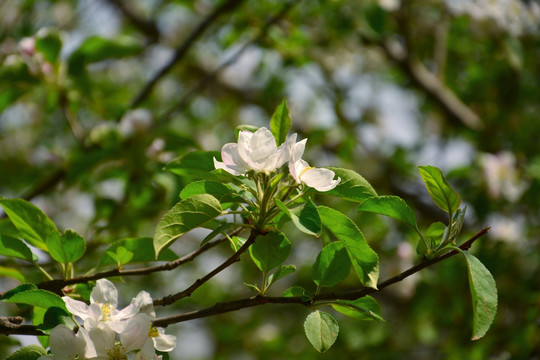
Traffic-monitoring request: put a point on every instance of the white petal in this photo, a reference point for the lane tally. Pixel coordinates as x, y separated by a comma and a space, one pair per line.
136, 332
284, 150
244, 147
77, 308
164, 342
104, 293
124, 314
319, 179
144, 303
103, 338
296, 169
63, 342
297, 150
89, 348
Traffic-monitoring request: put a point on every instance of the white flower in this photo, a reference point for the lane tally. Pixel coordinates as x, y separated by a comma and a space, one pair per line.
65, 345
319, 179
254, 151
103, 302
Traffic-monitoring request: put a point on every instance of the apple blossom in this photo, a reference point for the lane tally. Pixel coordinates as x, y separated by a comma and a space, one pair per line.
319, 179
103, 302
66, 345
254, 151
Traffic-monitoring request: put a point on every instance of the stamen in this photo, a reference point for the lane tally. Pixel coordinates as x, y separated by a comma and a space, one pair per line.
153, 332
106, 311
118, 352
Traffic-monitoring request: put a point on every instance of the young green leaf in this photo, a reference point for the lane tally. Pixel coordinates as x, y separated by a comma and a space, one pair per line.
224, 193
31, 222
297, 291
484, 295
142, 249
55, 316
66, 248
29, 352
37, 297
186, 215
194, 165
392, 206
15, 248
281, 272
253, 287
364, 260
365, 308
331, 266
321, 330
280, 123
307, 221
352, 187
440, 191
432, 237
270, 250
50, 44
12, 273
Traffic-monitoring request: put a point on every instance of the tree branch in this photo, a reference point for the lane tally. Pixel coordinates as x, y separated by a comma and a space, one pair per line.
210, 77
224, 307
148, 27
167, 300
57, 285
225, 7
429, 83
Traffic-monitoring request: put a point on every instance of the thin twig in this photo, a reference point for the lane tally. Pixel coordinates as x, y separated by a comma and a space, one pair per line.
148, 27
224, 307
167, 300
57, 285
210, 77
225, 7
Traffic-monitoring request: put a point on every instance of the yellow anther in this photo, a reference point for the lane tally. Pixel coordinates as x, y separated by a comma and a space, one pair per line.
106, 311
153, 332
118, 352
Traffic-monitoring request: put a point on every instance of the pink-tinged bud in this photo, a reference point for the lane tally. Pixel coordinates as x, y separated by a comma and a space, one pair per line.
27, 46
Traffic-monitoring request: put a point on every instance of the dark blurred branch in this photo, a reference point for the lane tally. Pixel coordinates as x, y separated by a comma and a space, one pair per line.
428, 82
210, 77
225, 7
57, 285
167, 300
146, 26
229, 306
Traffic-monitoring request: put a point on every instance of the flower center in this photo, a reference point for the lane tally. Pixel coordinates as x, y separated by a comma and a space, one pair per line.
118, 352
106, 311
153, 332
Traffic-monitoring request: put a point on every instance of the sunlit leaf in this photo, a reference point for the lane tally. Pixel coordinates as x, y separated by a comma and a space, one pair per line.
15, 248
352, 187
186, 215
66, 248
270, 251
440, 191
331, 266
392, 206
29, 352
365, 308
364, 260
321, 330
280, 123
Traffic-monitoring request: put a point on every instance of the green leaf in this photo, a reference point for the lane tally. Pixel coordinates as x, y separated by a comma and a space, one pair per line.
224, 193
194, 165
253, 287
365, 308
32, 223
280, 123
37, 297
55, 316
30, 352
308, 221
331, 266
352, 187
364, 260
66, 248
12, 273
120, 256
432, 237
458, 223
16, 248
270, 250
321, 330
142, 249
281, 272
18, 289
440, 191
50, 44
297, 291
484, 295
96, 48
7, 228
186, 215
392, 206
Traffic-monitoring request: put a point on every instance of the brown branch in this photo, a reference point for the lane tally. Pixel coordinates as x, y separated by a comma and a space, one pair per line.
210, 77
224, 307
167, 300
57, 285
148, 27
225, 7
429, 83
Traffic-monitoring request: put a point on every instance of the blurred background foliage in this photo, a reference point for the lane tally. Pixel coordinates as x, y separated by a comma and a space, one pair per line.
97, 96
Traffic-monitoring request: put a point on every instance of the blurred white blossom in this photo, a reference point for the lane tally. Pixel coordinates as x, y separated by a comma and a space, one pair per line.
502, 176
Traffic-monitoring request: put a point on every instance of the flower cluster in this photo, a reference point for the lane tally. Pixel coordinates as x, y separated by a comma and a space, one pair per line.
258, 151
108, 333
